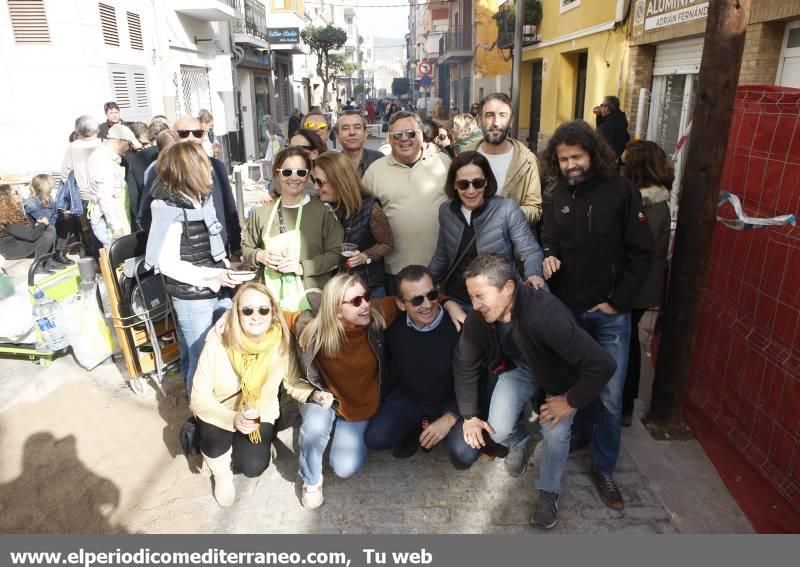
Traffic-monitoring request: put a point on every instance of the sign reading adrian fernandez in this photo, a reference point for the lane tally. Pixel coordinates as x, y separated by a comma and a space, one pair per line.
654, 14
283, 35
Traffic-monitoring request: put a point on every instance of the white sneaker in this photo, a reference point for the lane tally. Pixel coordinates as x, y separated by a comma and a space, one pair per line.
312, 496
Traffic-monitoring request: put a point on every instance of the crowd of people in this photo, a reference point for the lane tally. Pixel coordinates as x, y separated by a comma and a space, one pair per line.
403, 300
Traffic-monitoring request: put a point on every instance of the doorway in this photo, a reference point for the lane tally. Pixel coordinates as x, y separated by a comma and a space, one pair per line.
536, 107
580, 86
789, 62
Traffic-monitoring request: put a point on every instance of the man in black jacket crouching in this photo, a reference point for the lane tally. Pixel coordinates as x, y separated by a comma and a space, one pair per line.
529, 340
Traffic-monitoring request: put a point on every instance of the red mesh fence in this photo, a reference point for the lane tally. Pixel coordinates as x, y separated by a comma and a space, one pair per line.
745, 379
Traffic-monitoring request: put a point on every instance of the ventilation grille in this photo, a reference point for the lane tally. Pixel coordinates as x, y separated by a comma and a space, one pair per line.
108, 20
119, 81
140, 85
135, 31
29, 21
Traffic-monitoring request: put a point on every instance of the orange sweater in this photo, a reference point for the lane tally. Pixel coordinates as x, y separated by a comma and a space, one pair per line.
353, 375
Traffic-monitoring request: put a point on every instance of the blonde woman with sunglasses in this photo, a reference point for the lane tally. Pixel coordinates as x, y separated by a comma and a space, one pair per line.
235, 391
295, 240
341, 350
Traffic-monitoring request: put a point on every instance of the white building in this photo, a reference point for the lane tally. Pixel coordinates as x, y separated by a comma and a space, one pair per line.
61, 59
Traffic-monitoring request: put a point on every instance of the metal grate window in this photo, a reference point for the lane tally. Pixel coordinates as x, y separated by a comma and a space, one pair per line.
108, 21
135, 31
194, 91
120, 91
140, 86
29, 21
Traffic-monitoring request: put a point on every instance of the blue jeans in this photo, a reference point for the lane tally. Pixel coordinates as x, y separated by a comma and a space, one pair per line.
602, 420
348, 449
195, 317
378, 292
399, 416
512, 391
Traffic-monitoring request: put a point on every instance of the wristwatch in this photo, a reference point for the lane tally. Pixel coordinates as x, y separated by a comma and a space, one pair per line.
369, 260
469, 416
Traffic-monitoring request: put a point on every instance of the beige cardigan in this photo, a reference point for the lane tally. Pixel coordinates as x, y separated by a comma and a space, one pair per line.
215, 380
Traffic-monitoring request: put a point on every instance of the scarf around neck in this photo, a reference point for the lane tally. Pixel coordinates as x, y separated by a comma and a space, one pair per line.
252, 367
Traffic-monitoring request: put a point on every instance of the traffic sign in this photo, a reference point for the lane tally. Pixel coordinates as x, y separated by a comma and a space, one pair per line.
426, 81
425, 68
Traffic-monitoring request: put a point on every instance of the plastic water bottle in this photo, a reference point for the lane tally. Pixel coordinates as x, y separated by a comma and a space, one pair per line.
45, 312
104, 299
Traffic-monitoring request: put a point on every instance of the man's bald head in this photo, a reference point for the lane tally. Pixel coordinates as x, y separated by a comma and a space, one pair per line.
188, 124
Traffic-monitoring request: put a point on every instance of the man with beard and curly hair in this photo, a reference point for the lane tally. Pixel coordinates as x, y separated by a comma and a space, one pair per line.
514, 166
598, 248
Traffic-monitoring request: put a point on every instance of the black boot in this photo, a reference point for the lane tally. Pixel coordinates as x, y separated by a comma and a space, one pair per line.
61, 258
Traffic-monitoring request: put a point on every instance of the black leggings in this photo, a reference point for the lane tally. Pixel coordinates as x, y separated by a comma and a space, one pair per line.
631, 390
251, 459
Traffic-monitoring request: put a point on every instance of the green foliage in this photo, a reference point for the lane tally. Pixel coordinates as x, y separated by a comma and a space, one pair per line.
323, 41
506, 18
400, 86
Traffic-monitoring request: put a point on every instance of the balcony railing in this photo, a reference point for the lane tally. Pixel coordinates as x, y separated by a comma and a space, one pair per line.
255, 20
457, 42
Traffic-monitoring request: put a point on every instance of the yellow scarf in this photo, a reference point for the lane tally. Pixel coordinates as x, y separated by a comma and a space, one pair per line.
252, 367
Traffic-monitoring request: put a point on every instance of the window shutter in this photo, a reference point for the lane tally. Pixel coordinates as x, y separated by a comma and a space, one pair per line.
121, 92
108, 21
29, 21
135, 31
129, 89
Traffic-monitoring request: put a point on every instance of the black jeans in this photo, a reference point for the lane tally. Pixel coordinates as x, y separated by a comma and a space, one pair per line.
251, 459
631, 390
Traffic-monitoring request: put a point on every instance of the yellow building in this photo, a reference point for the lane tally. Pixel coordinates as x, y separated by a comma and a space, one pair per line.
470, 64
580, 57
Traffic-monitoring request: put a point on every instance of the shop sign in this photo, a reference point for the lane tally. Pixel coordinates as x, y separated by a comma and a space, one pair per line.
650, 15
283, 35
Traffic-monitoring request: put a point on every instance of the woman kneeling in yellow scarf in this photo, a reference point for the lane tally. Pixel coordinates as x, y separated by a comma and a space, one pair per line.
235, 389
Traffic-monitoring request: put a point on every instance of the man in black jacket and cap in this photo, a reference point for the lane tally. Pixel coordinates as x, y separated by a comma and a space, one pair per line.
531, 342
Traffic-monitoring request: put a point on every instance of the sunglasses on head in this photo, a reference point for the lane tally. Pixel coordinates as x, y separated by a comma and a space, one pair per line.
263, 310
463, 184
410, 134
288, 172
418, 300
186, 133
358, 300
315, 125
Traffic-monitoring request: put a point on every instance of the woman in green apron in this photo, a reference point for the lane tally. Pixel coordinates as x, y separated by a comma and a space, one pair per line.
295, 241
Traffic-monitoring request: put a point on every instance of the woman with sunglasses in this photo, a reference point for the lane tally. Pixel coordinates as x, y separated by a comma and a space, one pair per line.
310, 141
295, 240
235, 391
475, 221
341, 349
445, 140
365, 224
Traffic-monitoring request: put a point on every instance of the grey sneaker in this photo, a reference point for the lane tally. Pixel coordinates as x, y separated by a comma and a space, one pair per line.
546, 514
518, 457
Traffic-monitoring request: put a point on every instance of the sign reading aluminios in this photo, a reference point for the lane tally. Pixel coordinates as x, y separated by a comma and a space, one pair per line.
283, 35
653, 14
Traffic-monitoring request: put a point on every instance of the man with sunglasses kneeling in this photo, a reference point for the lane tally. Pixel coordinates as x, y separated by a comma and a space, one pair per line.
420, 407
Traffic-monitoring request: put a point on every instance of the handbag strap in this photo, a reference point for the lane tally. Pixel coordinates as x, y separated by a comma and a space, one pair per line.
441, 285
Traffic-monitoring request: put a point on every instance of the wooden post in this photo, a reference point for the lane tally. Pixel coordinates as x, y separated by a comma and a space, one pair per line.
711, 122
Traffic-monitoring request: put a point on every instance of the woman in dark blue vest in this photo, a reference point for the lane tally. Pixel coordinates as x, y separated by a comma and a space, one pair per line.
366, 228
186, 245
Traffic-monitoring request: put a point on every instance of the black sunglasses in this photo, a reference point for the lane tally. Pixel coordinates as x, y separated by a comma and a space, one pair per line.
463, 184
418, 300
358, 300
288, 172
263, 310
318, 181
185, 133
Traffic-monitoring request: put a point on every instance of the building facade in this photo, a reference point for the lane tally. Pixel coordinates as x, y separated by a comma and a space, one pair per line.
579, 56
666, 49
